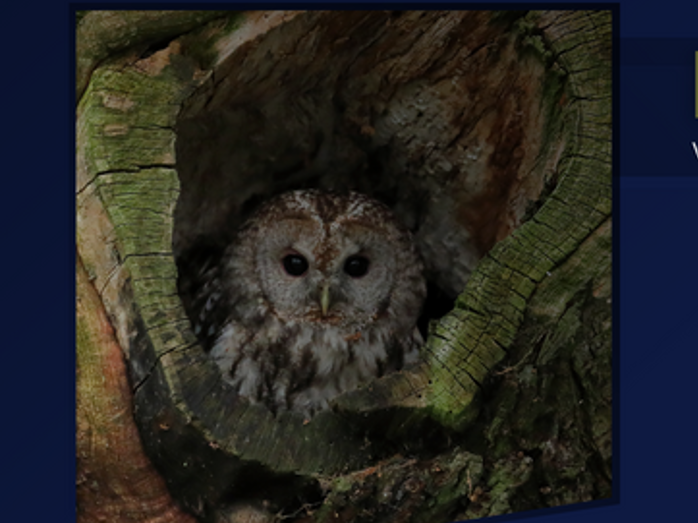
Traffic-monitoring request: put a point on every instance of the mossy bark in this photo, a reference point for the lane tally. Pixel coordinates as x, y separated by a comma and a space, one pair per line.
510, 409
115, 479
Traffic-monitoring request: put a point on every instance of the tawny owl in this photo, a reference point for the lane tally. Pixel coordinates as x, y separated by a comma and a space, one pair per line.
318, 293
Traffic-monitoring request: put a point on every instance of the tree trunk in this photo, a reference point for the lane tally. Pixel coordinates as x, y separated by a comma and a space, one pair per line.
488, 133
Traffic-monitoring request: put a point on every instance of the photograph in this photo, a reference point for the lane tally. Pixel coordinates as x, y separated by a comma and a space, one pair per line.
344, 265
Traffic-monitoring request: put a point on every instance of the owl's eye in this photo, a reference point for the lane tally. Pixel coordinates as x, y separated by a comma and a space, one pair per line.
295, 264
356, 266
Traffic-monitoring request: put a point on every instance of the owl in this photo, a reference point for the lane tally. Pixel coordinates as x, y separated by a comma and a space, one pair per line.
318, 293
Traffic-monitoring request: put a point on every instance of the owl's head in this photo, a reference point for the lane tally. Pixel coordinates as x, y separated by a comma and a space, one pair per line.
329, 258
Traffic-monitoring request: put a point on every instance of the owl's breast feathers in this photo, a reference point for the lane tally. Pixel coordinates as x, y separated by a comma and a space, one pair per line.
302, 366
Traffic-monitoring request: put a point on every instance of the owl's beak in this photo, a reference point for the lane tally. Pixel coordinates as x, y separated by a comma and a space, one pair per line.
325, 298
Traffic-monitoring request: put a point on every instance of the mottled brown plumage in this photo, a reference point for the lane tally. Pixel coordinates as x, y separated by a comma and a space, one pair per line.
318, 293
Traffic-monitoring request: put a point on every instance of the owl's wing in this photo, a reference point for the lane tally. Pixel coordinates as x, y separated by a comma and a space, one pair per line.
411, 348
202, 295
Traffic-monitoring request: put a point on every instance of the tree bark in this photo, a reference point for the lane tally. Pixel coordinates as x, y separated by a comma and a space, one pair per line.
503, 121
115, 480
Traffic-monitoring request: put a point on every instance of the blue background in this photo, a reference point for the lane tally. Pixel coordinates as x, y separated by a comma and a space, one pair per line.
656, 298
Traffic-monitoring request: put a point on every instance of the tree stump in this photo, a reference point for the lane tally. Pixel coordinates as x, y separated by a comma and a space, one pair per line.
487, 132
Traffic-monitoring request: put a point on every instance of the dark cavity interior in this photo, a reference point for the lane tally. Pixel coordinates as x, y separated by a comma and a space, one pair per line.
444, 116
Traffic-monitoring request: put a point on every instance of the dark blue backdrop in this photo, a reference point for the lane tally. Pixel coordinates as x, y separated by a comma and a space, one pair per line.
655, 254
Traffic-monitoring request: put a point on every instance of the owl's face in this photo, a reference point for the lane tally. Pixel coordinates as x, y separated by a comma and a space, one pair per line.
324, 261
339, 271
